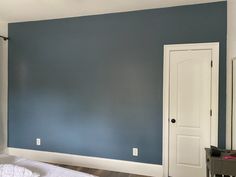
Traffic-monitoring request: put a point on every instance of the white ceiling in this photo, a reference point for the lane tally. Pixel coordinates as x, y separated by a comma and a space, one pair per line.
31, 10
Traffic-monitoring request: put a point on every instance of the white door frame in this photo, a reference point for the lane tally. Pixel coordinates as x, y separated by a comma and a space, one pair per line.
214, 47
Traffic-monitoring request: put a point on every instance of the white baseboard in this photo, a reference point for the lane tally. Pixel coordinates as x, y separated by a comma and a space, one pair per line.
90, 162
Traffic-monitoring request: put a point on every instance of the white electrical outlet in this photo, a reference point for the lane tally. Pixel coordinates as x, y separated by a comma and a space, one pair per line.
135, 152
38, 141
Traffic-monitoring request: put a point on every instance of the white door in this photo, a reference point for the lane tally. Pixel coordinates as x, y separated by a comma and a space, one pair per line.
189, 112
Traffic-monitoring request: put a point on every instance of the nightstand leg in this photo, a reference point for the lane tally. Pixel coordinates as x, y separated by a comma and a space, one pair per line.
207, 172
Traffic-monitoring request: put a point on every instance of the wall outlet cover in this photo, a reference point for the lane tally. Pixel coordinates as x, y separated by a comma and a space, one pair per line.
135, 152
38, 141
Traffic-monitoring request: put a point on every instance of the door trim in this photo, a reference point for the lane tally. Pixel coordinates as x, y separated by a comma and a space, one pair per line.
214, 47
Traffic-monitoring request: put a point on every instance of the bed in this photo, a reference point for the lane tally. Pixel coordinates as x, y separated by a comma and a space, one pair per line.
43, 169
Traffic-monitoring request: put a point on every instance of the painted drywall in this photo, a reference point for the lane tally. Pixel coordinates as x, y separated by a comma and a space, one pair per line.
3, 86
28, 10
93, 85
231, 54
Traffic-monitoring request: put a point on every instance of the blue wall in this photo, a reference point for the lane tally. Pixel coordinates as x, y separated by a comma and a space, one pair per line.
93, 85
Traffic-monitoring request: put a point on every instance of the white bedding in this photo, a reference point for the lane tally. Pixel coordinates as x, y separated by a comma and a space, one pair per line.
43, 169
11, 170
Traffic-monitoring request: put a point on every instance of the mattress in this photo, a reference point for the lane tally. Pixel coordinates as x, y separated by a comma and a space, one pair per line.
44, 169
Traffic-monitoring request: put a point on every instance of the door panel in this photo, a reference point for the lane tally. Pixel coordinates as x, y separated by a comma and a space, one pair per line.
190, 104
183, 154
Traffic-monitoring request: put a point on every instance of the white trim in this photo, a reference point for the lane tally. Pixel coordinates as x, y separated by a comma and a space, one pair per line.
231, 54
3, 85
229, 101
89, 162
215, 86
233, 103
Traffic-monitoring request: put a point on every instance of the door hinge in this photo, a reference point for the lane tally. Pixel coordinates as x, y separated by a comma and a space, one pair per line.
211, 112
211, 63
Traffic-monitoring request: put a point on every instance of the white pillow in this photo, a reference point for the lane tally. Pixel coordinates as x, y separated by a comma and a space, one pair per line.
9, 170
